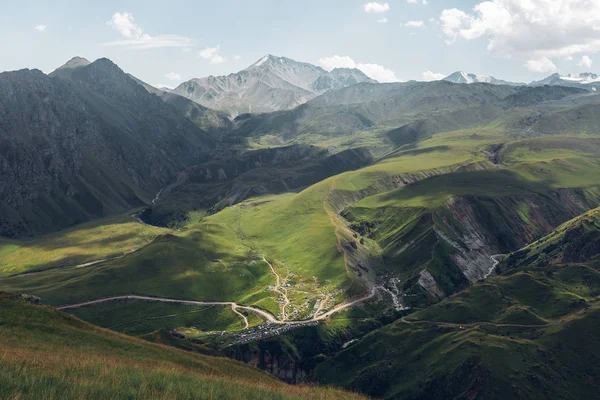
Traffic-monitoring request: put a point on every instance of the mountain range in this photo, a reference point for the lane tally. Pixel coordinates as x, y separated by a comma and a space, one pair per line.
586, 80
279, 84
271, 84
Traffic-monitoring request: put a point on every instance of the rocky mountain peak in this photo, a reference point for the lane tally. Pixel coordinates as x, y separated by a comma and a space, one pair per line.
70, 66
76, 62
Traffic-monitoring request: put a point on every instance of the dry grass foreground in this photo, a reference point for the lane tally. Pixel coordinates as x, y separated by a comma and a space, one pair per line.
46, 354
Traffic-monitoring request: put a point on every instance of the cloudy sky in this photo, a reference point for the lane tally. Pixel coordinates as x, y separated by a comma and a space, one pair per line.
166, 42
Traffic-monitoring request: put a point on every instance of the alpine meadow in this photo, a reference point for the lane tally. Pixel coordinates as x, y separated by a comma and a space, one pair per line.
347, 219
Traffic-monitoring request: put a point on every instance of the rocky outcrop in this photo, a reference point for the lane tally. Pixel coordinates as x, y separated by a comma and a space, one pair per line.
427, 282
273, 357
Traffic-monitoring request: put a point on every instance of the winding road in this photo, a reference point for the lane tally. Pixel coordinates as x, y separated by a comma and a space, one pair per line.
234, 306
279, 288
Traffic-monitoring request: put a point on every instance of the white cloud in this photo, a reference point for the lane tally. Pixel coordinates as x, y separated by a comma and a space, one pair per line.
374, 7
415, 24
586, 62
378, 72
135, 38
429, 76
124, 23
212, 54
373, 71
40, 28
163, 85
535, 30
542, 64
383, 20
332, 62
424, 2
237, 58
173, 76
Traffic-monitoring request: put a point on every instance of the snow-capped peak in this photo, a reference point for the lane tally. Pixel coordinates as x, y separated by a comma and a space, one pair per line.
463, 77
261, 61
584, 77
266, 59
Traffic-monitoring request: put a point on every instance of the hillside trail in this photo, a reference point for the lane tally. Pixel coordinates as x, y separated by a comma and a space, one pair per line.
279, 288
86, 264
478, 323
234, 306
135, 216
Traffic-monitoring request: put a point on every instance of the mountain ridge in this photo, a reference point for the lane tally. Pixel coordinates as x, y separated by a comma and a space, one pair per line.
464, 77
270, 84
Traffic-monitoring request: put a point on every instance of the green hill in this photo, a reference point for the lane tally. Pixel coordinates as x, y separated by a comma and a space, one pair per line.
527, 333
49, 354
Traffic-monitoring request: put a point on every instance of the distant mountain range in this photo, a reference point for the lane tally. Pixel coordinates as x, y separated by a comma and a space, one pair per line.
280, 84
270, 84
586, 80
463, 77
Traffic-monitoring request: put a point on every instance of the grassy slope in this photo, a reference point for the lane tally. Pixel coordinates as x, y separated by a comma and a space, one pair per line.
49, 354
137, 318
462, 346
191, 265
101, 239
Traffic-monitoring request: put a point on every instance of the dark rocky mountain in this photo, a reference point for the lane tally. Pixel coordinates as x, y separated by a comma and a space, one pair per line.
271, 84
85, 142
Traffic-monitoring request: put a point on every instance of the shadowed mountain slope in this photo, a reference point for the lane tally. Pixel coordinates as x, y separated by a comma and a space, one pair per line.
87, 143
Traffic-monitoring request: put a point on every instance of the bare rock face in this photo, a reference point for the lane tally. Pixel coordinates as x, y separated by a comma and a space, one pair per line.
85, 143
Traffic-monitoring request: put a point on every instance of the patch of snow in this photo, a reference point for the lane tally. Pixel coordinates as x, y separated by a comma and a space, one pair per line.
581, 78
261, 61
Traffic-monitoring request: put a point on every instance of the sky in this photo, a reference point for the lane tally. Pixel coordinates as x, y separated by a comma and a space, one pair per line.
167, 42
